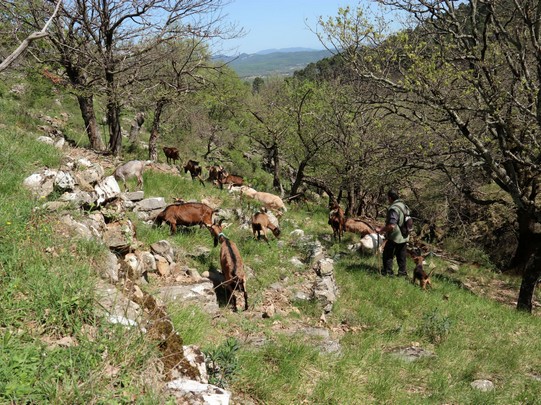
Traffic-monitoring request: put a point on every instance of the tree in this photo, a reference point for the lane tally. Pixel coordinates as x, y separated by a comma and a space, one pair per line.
177, 68
470, 76
120, 32
32, 37
269, 126
308, 136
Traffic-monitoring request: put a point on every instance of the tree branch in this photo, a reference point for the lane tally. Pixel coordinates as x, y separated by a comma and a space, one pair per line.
36, 35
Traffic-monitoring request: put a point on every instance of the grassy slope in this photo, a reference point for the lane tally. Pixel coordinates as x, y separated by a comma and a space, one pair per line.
46, 293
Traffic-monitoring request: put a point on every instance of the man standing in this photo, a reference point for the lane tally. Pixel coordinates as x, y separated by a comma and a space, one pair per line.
396, 243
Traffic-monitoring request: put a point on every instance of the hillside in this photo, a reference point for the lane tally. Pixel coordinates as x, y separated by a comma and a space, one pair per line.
271, 63
370, 340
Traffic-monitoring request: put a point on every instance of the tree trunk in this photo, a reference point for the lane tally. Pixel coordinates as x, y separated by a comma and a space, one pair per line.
155, 130
351, 201
115, 131
531, 276
86, 105
136, 125
276, 169
527, 243
298, 178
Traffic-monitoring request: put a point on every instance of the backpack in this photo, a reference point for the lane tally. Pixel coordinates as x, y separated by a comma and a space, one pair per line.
407, 225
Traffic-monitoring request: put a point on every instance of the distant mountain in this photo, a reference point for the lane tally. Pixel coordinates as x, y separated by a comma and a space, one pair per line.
285, 50
282, 62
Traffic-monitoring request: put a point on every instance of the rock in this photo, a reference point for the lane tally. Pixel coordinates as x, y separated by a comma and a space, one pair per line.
45, 139
162, 266
371, 243
453, 268
482, 385
196, 358
297, 233
411, 353
325, 290
193, 392
119, 236
201, 293
106, 189
148, 261
91, 175
163, 248
134, 195
150, 204
295, 261
135, 265
116, 307
64, 181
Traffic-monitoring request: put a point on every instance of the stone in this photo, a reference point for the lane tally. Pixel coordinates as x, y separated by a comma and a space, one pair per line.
163, 248
64, 181
106, 189
201, 293
482, 385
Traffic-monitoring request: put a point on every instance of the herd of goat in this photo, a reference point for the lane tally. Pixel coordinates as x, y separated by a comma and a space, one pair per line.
187, 214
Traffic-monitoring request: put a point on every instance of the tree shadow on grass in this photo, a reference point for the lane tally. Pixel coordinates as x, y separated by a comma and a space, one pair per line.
367, 268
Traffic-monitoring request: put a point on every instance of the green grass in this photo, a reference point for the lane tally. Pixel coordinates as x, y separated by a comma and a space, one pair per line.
47, 285
47, 281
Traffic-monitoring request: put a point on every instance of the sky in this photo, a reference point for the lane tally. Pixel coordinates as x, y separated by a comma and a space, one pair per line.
276, 24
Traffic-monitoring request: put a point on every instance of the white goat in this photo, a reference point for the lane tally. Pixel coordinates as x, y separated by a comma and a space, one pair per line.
133, 168
270, 201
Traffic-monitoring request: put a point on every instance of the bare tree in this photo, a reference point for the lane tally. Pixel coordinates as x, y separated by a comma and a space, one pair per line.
32, 37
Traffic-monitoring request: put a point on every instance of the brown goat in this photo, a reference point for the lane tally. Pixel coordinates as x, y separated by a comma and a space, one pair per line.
232, 266
214, 172
185, 214
171, 154
359, 226
226, 178
260, 223
337, 220
195, 170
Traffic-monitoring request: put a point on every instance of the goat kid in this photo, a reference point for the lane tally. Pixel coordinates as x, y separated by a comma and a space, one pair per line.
260, 223
133, 168
231, 264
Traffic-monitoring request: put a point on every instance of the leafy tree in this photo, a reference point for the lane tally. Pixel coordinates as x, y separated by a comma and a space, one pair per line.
176, 69
469, 75
306, 138
257, 84
268, 128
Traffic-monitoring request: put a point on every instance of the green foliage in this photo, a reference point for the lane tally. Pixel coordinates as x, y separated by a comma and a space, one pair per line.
222, 362
435, 326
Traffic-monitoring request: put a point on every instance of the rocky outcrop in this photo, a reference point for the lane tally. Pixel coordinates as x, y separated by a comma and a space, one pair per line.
92, 206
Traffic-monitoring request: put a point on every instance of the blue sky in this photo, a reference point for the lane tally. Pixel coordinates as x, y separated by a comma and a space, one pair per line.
279, 23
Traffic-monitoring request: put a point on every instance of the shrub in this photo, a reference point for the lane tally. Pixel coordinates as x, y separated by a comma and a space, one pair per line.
222, 362
435, 327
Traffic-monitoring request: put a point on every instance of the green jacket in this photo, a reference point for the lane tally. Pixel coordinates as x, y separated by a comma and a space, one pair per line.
399, 207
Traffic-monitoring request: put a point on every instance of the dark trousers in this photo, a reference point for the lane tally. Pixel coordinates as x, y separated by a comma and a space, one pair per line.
390, 251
